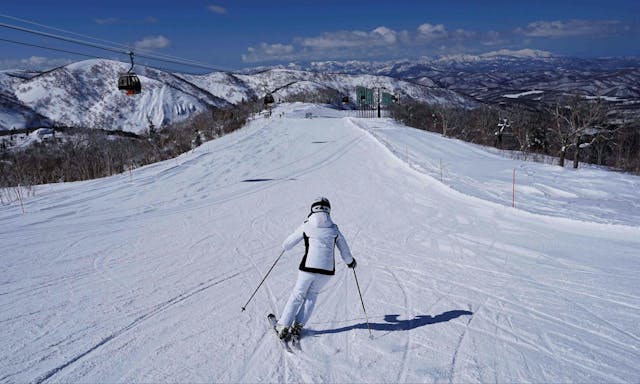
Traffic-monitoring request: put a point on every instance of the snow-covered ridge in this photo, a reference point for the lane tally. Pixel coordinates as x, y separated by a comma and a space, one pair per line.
85, 93
522, 53
487, 77
503, 53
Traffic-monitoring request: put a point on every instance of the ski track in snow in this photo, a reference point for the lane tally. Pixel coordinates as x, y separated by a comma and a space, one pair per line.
158, 308
141, 276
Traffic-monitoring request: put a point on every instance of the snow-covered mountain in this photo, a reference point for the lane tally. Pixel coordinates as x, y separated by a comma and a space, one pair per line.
502, 60
488, 76
286, 82
85, 93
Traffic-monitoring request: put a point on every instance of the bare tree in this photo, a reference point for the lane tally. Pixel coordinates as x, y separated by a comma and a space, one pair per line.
443, 116
481, 122
518, 120
574, 117
627, 147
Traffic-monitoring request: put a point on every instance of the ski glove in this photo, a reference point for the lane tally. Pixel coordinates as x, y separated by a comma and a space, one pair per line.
352, 264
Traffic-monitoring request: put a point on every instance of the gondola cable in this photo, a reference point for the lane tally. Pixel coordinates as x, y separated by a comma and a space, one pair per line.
129, 81
86, 55
107, 48
49, 48
127, 48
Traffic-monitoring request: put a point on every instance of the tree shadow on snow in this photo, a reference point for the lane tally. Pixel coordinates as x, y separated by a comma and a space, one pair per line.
261, 180
394, 324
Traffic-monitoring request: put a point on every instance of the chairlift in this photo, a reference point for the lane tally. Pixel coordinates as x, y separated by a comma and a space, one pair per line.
268, 99
129, 81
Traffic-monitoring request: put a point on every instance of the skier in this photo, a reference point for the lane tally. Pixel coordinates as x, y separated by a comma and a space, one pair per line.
320, 237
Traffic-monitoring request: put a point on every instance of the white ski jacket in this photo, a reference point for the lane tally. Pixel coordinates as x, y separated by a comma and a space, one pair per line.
320, 237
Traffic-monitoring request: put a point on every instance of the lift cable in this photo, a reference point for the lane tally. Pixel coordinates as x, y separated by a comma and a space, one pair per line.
103, 41
49, 48
90, 56
63, 38
107, 48
58, 29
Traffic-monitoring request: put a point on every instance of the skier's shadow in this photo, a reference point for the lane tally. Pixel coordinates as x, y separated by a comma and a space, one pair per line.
394, 324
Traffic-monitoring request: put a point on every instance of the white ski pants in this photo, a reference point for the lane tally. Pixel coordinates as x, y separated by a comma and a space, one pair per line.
303, 298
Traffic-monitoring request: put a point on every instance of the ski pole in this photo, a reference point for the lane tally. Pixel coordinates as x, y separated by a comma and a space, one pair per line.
265, 277
362, 301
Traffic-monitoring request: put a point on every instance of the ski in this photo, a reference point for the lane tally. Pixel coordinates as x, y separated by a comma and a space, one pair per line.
271, 318
295, 341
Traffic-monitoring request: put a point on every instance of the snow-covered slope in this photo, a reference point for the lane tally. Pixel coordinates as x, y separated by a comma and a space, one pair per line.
590, 194
13, 113
226, 86
141, 276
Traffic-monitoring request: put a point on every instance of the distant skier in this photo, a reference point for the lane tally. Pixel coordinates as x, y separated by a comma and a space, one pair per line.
320, 237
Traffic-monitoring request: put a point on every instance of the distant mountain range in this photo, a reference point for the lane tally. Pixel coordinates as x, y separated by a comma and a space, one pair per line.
489, 76
85, 93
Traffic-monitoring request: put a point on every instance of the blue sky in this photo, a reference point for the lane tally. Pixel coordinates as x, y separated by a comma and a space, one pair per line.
240, 34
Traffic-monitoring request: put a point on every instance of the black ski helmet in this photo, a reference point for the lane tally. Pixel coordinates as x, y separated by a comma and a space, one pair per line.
320, 204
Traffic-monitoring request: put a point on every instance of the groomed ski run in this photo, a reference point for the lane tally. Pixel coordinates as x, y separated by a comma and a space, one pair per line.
140, 277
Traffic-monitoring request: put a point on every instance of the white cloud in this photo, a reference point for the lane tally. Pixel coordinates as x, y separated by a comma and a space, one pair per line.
379, 36
379, 42
217, 9
33, 62
389, 36
116, 20
265, 52
427, 39
432, 32
493, 39
339, 44
332, 40
108, 20
331, 44
152, 42
276, 49
568, 28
